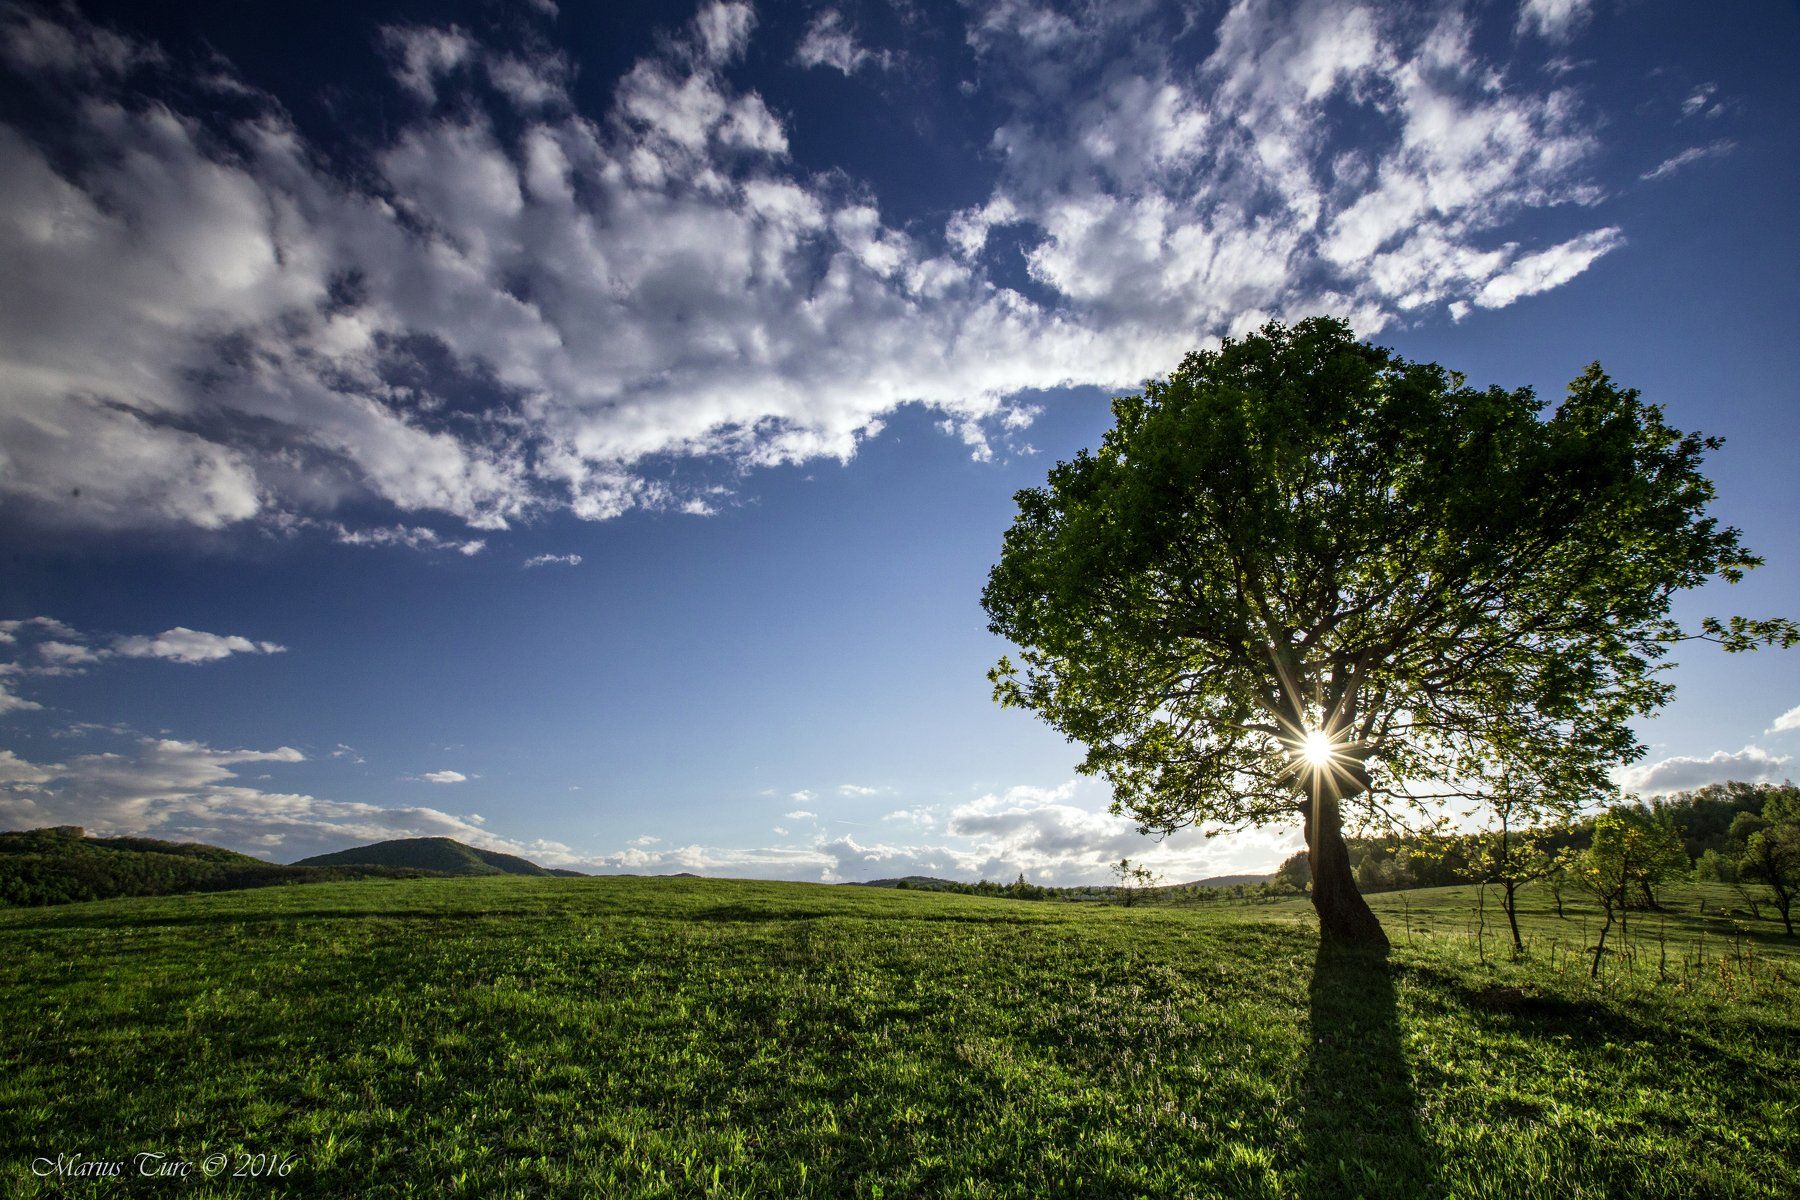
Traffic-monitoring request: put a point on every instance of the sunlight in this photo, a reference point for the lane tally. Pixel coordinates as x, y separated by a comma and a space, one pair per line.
1317, 748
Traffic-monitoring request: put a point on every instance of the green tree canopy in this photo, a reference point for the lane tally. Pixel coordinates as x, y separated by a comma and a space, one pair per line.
1303, 576
1772, 851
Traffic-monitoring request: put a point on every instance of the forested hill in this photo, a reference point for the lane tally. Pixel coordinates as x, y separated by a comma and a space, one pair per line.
444, 856
62, 864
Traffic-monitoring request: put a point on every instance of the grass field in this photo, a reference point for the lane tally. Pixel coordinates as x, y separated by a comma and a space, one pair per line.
687, 1037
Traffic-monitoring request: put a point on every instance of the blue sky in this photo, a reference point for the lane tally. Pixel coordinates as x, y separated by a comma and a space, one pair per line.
586, 433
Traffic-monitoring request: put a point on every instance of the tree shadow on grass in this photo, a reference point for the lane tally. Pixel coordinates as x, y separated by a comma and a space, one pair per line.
1359, 1114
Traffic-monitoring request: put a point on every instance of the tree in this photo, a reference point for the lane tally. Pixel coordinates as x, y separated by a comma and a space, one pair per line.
1303, 577
1294, 872
1511, 858
1772, 853
1558, 874
1664, 855
1713, 867
1131, 878
1630, 850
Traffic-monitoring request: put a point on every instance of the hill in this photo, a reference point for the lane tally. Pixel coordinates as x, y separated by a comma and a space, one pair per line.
62, 864
926, 883
640, 1037
441, 855
1225, 881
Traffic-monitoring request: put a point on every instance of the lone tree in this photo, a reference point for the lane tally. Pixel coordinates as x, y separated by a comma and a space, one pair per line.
1303, 577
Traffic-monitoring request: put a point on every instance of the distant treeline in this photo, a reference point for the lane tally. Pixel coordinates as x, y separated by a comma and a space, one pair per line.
1703, 819
1242, 888
60, 864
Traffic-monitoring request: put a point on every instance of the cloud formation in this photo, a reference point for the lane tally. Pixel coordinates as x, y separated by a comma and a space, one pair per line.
216, 323
1692, 154
1752, 764
1053, 835
1787, 722
45, 646
185, 645
1555, 20
829, 42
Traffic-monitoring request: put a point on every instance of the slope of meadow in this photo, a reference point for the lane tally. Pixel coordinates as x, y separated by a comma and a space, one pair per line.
688, 1037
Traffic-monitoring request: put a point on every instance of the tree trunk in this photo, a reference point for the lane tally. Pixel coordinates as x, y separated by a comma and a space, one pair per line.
1601, 947
1344, 916
1512, 915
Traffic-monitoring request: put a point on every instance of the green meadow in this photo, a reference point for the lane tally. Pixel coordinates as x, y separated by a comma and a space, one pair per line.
686, 1037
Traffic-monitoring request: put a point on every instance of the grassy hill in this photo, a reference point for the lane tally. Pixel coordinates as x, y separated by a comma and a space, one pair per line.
445, 856
61, 864
687, 1037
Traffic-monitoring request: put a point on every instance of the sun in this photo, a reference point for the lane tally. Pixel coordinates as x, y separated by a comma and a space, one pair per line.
1317, 748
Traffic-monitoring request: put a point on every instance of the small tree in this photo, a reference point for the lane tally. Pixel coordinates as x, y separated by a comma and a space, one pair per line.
1511, 858
1631, 850
1557, 876
1601, 872
1131, 878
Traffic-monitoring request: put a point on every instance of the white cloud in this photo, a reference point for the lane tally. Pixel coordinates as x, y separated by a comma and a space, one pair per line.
184, 645
444, 777
803, 796
64, 650
1787, 721
854, 789
1547, 269
15, 770
43, 626
11, 701
1692, 154
1700, 101
1055, 835
1752, 764
213, 324
546, 560
412, 537
801, 814
423, 56
828, 42
69, 653
1555, 20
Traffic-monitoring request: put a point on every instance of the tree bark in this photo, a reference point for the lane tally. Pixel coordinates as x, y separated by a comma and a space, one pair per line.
1600, 949
1344, 916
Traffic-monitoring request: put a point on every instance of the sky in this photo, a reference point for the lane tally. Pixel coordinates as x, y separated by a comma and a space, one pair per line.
585, 431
